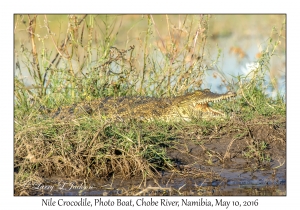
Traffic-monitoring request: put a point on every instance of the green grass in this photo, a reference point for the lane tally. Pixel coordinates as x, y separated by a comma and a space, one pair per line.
83, 64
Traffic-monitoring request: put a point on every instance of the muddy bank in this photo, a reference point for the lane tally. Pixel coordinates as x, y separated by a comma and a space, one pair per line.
231, 158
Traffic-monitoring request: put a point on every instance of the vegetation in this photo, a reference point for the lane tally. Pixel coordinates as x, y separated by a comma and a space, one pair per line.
78, 58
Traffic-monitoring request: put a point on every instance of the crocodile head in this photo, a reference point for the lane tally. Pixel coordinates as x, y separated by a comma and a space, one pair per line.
197, 103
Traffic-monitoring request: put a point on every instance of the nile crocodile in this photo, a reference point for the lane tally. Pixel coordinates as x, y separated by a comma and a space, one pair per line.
186, 107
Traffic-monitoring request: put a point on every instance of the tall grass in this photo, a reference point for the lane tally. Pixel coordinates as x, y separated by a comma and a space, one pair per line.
61, 60
83, 63
253, 87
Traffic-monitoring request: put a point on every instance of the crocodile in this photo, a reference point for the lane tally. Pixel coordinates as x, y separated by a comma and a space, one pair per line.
180, 108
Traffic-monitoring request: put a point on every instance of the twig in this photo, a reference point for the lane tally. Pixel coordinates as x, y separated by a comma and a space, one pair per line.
153, 188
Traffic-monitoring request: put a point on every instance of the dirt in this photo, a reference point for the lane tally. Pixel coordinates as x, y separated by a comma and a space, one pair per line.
236, 158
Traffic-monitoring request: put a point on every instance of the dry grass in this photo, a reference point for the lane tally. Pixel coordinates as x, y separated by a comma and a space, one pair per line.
81, 59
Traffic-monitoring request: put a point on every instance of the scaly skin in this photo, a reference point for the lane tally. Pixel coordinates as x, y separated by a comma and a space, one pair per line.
186, 107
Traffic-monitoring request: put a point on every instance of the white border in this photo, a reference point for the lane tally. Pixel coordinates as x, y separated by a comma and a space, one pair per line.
8, 8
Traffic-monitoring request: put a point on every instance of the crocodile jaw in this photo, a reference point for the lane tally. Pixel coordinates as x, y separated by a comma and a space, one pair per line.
205, 108
208, 112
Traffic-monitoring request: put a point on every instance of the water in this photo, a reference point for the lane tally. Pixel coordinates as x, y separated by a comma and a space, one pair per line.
231, 66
